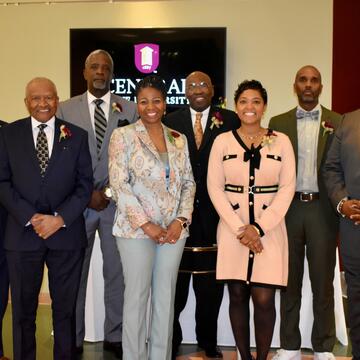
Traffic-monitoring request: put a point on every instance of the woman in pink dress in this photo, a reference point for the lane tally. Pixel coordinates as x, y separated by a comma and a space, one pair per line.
251, 182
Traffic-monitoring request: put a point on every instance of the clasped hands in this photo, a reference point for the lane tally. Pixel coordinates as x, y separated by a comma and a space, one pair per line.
249, 237
160, 235
46, 225
351, 210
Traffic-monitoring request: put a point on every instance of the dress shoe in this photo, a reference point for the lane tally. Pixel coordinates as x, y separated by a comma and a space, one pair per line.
213, 352
114, 347
79, 350
283, 354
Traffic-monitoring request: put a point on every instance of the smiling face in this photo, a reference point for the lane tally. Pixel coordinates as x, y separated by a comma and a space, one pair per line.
98, 73
151, 105
41, 99
199, 90
308, 87
250, 107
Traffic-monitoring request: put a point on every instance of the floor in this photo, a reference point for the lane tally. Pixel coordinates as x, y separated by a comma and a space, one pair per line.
94, 351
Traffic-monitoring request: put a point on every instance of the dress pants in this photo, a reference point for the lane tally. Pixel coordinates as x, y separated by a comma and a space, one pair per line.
309, 234
4, 291
208, 294
26, 270
149, 267
102, 222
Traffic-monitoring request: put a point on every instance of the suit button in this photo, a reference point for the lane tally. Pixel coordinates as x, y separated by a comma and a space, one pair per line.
251, 177
251, 255
251, 203
248, 282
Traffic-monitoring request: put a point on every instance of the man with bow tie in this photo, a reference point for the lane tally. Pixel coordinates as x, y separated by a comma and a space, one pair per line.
311, 222
99, 112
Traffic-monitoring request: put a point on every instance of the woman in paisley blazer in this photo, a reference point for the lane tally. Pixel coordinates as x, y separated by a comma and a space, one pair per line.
152, 183
251, 182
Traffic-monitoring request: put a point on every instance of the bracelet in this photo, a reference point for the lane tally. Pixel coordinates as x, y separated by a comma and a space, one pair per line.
257, 230
340, 206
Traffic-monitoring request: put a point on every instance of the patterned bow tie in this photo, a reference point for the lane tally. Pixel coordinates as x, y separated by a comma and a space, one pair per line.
314, 115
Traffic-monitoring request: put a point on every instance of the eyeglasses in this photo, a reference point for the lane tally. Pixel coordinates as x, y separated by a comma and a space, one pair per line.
201, 85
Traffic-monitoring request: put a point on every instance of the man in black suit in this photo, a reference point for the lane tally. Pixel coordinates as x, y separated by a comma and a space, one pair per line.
201, 123
4, 274
45, 185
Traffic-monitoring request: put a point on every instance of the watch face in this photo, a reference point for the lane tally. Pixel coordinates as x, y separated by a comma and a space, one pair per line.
108, 192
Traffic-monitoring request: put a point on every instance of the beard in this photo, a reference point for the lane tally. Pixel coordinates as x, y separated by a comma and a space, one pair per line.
99, 84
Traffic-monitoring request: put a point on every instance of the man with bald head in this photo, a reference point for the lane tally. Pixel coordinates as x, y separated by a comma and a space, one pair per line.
45, 185
311, 222
201, 123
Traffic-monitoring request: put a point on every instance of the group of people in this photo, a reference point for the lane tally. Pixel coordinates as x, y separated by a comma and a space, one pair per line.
202, 192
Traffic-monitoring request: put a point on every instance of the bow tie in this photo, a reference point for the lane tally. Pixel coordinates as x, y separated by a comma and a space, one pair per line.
314, 115
253, 154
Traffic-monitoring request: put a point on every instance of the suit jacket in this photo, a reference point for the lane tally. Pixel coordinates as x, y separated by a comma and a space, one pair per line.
2, 210
65, 189
76, 111
205, 217
342, 176
287, 123
138, 181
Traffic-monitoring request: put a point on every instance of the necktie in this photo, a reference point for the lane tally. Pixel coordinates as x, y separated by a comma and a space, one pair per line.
100, 123
314, 115
42, 149
198, 130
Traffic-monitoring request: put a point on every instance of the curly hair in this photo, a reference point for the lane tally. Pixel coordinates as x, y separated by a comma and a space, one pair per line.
251, 85
152, 81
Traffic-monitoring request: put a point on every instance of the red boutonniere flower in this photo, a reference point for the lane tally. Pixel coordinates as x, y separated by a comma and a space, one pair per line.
116, 107
216, 120
65, 133
175, 139
327, 127
268, 138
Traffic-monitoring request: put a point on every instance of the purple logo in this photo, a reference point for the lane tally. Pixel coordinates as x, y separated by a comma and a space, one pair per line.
146, 57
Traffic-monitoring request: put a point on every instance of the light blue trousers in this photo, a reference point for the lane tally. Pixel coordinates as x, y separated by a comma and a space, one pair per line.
147, 265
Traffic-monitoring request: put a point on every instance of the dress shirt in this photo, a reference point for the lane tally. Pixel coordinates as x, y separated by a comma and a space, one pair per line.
49, 132
205, 115
105, 106
308, 134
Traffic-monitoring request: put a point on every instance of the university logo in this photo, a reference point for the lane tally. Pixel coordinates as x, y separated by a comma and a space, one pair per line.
146, 57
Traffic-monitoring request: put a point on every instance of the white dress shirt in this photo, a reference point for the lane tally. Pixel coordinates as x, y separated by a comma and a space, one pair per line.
205, 115
105, 106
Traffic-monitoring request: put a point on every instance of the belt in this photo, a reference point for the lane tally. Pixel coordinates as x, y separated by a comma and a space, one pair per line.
251, 189
307, 196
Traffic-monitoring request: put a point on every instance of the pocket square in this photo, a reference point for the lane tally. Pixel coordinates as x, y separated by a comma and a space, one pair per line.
122, 123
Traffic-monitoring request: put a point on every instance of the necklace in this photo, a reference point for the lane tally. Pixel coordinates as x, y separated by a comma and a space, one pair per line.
250, 137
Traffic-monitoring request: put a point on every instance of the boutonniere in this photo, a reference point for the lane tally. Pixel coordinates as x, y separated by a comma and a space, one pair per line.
268, 138
327, 127
175, 139
216, 120
116, 107
65, 133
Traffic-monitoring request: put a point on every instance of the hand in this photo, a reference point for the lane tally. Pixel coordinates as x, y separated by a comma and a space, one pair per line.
46, 225
98, 200
351, 210
155, 232
249, 237
173, 232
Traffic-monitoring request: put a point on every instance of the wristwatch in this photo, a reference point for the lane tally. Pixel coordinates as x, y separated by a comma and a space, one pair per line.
183, 222
107, 192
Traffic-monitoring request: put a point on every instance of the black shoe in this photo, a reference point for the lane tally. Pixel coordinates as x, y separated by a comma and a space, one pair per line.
213, 352
114, 347
79, 350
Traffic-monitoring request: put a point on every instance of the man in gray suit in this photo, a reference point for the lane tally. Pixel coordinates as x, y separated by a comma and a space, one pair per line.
342, 178
100, 112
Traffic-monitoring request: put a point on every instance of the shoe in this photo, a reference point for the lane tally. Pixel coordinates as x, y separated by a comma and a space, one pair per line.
79, 350
283, 354
114, 347
213, 352
324, 356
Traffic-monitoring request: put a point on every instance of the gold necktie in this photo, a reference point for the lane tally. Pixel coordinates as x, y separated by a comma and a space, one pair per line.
198, 130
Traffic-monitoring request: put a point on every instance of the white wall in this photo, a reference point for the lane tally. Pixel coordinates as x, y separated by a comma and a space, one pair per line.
266, 39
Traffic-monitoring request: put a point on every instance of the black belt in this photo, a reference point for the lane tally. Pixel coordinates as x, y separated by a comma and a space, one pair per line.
251, 189
307, 196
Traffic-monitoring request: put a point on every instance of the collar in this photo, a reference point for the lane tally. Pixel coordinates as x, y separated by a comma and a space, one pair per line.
205, 112
35, 123
105, 98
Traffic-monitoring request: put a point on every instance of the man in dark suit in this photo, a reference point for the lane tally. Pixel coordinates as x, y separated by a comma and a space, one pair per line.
201, 123
99, 112
4, 274
311, 222
45, 185
342, 179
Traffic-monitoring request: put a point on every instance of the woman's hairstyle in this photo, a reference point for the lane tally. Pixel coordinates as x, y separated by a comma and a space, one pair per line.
152, 81
250, 85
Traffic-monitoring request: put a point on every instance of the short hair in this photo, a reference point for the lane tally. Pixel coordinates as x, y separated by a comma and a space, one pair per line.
251, 85
151, 81
100, 51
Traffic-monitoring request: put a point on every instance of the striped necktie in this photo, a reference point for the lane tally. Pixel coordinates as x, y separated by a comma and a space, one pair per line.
198, 130
42, 149
100, 123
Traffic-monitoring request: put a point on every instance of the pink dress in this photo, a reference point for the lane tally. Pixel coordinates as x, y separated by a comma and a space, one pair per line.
252, 186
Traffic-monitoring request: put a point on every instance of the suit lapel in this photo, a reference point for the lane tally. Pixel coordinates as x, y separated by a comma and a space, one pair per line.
57, 146
292, 131
29, 146
323, 137
208, 133
145, 138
